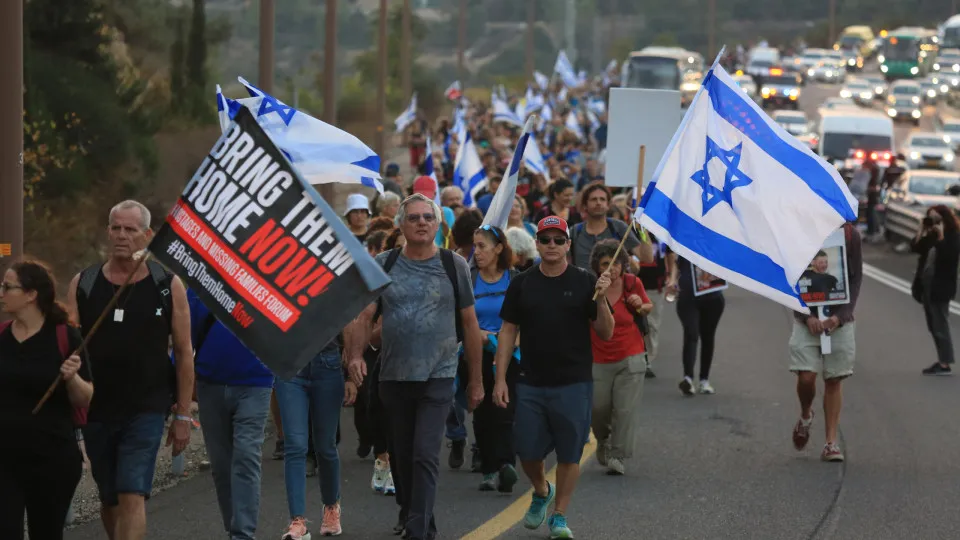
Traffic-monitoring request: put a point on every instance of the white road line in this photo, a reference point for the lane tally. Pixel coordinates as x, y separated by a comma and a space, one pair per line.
898, 284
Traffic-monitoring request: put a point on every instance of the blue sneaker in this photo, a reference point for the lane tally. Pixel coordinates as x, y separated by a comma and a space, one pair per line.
558, 527
537, 513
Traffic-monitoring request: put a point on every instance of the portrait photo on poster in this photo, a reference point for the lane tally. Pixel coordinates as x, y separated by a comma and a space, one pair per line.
824, 282
705, 283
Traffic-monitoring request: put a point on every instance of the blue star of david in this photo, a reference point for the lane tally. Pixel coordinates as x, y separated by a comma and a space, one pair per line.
733, 179
270, 104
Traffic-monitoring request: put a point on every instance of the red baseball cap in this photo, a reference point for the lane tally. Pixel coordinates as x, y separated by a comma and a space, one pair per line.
553, 222
425, 186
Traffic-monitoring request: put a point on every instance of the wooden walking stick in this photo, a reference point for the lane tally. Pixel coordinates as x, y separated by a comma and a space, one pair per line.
636, 202
93, 329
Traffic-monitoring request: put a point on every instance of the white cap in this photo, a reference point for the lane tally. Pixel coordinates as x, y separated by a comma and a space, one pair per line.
356, 201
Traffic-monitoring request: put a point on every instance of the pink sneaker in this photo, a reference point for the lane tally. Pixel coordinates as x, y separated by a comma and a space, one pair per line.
297, 530
831, 452
331, 521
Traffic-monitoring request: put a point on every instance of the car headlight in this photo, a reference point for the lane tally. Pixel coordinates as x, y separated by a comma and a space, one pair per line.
914, 155
884, 68
845, 93
948, 157
915, 99
866, 95
916, 113
810, 72
878, 90
936, 67
914, 70
794, 92
892, 112
765, 91
881, 58
829, 73
931, 93
956, 67
852, 62
944, 89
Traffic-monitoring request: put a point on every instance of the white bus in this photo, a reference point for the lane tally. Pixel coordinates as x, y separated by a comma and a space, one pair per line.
950, 33
664, 68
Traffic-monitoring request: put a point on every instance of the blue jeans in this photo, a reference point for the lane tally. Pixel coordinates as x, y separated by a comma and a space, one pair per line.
123, 455
317, 389
233, 419
456, 422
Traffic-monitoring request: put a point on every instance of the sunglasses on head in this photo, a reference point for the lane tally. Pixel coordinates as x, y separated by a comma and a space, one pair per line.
491, 230
558, 240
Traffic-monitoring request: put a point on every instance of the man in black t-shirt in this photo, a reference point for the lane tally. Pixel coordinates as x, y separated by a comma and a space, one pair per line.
551, 306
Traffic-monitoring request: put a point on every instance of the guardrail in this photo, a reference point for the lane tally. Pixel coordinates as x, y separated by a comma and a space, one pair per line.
903, 220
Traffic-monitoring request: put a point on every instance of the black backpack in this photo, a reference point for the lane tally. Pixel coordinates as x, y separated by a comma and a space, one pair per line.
162, 278
576, 234
446, 257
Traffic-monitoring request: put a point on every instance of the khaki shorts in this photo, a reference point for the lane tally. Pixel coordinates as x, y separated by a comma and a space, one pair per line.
805, 351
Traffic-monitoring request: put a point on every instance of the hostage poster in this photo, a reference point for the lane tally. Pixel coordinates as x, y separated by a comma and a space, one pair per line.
265, 253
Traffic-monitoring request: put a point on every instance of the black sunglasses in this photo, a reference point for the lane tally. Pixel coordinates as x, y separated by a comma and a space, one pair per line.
558, 240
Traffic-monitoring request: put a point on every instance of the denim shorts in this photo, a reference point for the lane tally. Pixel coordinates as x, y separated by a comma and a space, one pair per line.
552, 418
123, 455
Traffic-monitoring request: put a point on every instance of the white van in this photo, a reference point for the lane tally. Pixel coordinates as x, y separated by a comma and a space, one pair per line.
849, 136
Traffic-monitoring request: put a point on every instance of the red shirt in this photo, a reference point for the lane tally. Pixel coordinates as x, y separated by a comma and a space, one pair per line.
627, 339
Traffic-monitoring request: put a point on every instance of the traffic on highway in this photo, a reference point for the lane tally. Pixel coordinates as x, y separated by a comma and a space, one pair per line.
756, 344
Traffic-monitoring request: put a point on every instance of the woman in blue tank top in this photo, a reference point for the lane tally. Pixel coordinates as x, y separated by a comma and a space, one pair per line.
493, 426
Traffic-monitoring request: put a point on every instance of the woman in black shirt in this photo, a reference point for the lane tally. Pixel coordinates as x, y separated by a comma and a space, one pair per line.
699, 316
40, 460
935, 283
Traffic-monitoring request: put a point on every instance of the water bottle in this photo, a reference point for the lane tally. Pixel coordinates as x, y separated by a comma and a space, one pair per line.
177, 466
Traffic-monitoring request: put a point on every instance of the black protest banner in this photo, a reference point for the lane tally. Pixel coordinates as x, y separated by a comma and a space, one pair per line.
264, 252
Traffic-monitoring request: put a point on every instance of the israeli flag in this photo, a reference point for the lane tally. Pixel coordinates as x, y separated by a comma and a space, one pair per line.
407, 116
502, 203
564, 68
533, 159
534, 101
429, 170
459, 126
741, 198
502, 112
468, 171
321, 153
573, 124
542, 80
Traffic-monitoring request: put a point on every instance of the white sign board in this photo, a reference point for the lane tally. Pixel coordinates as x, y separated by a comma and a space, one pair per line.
639, 117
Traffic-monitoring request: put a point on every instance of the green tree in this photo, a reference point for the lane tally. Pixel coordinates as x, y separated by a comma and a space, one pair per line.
197, 46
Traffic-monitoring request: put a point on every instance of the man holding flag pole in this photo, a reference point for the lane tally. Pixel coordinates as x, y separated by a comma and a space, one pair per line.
742, 199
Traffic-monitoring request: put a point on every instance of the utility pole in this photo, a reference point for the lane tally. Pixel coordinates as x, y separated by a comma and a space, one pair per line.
381, 146
531, 21
712, 27
613, 26
462, 38
266, 46
330, 65
406, 85
11, 130
833, 23
571, 30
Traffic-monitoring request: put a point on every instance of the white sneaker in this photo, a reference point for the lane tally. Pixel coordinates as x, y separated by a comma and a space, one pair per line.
388, 488
706, 388
380, 472
615, 467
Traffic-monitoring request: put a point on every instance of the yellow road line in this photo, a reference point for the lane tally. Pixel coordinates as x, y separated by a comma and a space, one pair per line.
512, 514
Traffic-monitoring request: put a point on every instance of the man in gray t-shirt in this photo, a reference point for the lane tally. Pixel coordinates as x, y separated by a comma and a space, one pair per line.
419, 333
418, 357
594, 206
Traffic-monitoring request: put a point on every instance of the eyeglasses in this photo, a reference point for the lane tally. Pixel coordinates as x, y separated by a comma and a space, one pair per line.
491, 230
558, 240
7, 287
413, 218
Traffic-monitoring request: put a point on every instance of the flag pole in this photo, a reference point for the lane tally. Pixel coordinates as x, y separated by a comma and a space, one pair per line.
93, 329
643, 156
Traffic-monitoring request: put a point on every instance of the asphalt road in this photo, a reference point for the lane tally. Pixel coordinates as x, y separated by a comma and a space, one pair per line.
707, 467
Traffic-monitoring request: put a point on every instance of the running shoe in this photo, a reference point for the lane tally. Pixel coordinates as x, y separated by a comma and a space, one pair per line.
537, 513
831, 452
331, 521
801, 432
297, 530
558, 527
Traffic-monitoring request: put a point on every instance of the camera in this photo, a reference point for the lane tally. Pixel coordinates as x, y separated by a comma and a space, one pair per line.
927, 222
